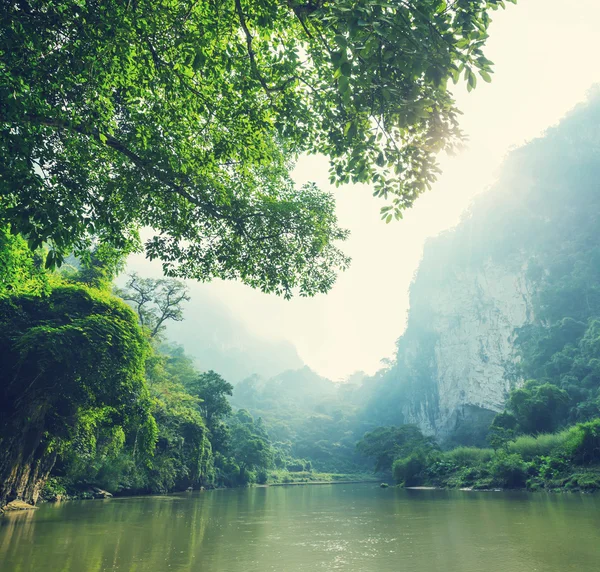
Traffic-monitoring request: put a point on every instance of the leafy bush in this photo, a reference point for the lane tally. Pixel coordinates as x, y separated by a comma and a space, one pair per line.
583, 442
508, 470
588, 481
467, 456
529, 446
409, 470
298, 465
54, 489
551, 467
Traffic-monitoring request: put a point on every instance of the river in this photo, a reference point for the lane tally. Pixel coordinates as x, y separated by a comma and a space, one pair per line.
354, 528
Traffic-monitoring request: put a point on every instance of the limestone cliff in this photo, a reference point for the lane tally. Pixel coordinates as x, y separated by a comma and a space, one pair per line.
481, 282
466, 346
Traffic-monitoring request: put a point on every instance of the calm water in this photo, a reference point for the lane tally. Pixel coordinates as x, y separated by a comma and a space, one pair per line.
355, 528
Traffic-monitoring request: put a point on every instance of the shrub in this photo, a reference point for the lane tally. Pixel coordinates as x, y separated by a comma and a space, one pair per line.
409, 470
529, 446
589, 481
298, 465
54, 489
508, 470
467, 456
552, 467
583, 442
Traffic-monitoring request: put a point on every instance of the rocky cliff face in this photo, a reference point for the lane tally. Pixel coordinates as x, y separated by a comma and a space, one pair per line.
482, 281
466, 346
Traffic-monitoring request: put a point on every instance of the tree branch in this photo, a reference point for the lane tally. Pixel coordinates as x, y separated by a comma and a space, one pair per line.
148, 168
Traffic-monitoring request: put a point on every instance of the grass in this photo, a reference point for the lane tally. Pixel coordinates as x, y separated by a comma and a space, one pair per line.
467, 456
529, 446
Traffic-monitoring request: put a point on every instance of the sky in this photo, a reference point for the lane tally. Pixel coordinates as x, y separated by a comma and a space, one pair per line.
545, 54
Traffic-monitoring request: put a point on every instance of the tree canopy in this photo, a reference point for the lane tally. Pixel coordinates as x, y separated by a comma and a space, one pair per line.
186, 116
212, 390
385, 444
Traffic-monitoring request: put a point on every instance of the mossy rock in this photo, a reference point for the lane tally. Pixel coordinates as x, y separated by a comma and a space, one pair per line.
18, 505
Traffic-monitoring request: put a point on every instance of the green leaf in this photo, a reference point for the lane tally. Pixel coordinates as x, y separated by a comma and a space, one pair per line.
341, 41
485, 76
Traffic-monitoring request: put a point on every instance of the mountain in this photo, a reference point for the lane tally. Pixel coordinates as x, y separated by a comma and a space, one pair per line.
510, 264
217, 340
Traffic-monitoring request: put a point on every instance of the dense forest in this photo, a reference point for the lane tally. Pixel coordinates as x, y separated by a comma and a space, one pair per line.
96, 401
92, 396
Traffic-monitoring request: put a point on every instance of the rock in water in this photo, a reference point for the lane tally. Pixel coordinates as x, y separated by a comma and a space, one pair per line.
18, 505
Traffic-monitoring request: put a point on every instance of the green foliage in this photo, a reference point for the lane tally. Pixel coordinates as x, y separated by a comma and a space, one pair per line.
508, 470
243, 452
538, 408
467, 456
22, 271
385, 444
111, 124
584, 442
183, 454
249, 446
54, 489
587, 481
502, 430
568, 459
298, 465
96, 267
212, 392
528, 447
73, 361
408, 471
85, 396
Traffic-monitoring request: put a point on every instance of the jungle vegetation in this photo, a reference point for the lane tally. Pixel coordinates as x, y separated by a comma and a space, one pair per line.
92, 396
185, 117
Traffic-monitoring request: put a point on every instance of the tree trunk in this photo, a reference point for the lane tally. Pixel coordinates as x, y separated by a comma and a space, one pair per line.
25, 466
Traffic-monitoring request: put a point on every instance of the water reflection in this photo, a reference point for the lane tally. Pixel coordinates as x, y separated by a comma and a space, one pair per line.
342, 527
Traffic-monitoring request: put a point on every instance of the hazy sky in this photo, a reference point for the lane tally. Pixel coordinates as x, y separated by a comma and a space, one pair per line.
545, 54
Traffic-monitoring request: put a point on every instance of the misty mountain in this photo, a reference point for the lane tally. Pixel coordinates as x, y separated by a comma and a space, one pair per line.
218, 340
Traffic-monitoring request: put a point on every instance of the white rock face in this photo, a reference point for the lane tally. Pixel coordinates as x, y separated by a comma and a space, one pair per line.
471, 324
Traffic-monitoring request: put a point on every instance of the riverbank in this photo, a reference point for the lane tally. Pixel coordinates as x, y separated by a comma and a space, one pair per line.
283, 477
531, 479
299, 483
56, 491
469, 468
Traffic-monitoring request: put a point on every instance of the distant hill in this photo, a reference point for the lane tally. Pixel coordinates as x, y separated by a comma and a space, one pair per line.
217, 340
